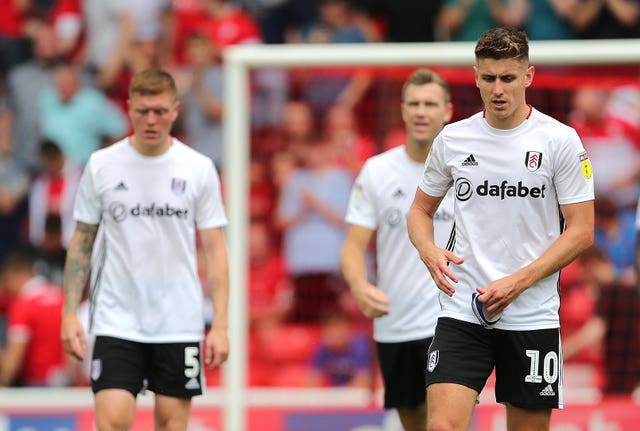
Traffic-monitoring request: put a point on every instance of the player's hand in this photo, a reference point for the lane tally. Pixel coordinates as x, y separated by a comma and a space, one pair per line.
498, 294
72, 334
437, 261
371, 301
216, 348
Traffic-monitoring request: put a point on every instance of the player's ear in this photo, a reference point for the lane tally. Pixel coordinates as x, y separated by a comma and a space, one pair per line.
528, 77
475, 73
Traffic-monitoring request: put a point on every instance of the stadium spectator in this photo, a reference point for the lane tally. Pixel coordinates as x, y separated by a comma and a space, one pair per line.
25, 83
278, 20
613, 19
52, 193
615, 235
327, 86
113, 26
15, 43
109, 31
350, 146
403, 299
613, 145
14, 187
185, 20
33, 355
342, 357
505, 273
201, 98
20, 22
269, 290
312, 204
557, 19
404, 21
614, 328
298, 128
148, 192
466, 20
50, 254
77, 117
262, 190
226, 24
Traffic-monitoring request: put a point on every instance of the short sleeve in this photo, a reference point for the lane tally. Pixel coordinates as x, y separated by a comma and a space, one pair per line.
362, 206
210, 211
436, 179
87, 206
573, 175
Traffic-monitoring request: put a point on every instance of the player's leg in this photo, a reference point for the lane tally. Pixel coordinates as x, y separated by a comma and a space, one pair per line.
117, 375
402, 366
459, 364
519, 419
175, 375
529, 377
115, 410
450, 407
414, 419
171, 414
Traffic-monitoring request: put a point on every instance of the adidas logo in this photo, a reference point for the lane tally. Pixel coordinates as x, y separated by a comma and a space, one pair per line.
398, 193
547, 392
192, 384
470, 161
121, 186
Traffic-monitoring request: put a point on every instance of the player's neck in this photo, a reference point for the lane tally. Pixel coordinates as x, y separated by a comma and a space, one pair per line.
417, 151
151, 149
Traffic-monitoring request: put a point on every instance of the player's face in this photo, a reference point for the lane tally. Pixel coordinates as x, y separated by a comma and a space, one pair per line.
152, 117
425, 111
502, 85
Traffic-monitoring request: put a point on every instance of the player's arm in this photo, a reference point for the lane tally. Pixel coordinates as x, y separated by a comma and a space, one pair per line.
217, 278
420, 224
371, 300
76, 273
576, 238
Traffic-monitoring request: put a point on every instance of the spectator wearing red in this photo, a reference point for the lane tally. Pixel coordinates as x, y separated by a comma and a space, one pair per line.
226, 24
52, 193
612, 143
613, 328
33, 355
187, 16
269, 289
21, 20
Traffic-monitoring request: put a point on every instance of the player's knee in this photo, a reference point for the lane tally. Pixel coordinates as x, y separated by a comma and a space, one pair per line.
110, 422
171, 424
444, 424
413, 419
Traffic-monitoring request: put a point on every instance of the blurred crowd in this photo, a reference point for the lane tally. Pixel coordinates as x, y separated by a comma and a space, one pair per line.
65, 67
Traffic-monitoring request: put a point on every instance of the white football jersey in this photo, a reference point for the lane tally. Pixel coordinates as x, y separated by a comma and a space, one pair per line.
145, 285
508, 186
380, 200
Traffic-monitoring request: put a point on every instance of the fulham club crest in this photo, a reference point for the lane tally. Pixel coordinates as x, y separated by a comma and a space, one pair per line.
533, 160
178, 186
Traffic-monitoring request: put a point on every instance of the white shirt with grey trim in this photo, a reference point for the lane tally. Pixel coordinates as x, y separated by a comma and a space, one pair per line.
380, 200
508, 184
145, 285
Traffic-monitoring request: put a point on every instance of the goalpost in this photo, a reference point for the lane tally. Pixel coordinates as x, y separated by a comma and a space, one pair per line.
240, 60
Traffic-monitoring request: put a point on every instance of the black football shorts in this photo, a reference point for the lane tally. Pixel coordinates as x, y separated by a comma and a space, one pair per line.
528, 364
172, 369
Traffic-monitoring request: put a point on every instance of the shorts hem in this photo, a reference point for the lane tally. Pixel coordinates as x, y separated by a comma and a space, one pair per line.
455, 381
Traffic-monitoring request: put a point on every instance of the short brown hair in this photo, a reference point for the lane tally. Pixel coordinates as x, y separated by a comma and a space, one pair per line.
151, 82
423, 76
503, 43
